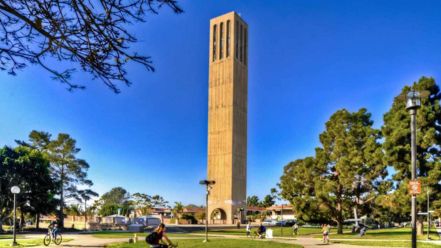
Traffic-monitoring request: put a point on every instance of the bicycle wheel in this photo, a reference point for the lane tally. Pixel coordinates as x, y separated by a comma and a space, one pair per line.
47, 240
58, 239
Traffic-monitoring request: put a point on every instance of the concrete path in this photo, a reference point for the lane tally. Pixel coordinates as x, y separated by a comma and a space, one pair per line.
80, 240
85, 240
316, 243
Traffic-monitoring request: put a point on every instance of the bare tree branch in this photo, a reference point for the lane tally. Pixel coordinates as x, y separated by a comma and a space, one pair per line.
90, 34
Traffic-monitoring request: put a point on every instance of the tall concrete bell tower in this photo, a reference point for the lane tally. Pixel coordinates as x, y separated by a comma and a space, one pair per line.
227, 117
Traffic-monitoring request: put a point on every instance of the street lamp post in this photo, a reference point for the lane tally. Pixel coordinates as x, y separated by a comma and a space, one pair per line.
15, 190
281, 221
208, 185
428, 215
412, 104
85, 214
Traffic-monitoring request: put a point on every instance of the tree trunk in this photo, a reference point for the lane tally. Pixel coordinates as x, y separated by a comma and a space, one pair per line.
37, 221
339, 218
61, 213
85, 215
339, 227
21, 220
1, 225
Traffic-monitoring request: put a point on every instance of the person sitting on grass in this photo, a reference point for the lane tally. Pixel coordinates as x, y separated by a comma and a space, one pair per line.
158, 238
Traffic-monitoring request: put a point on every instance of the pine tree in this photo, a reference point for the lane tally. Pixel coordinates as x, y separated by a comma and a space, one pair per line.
347, 171
396, 131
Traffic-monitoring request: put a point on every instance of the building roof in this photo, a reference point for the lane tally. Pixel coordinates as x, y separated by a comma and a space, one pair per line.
193, 210
254, 208
279, 207
161, 210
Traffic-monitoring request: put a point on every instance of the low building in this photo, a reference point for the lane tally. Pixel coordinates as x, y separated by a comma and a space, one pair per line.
193, 210
148, 220
279, 212
115, 220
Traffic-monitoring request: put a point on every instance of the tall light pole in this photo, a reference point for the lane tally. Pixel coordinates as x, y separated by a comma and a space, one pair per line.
85, 214
15, 190
412, 104
208, 185
281, 221
428, 214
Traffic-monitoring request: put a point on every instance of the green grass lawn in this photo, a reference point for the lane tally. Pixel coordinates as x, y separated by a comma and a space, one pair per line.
390, 233
386, 243
277, 231
26, 242
216, 243
9, 236
22, 242
118, 235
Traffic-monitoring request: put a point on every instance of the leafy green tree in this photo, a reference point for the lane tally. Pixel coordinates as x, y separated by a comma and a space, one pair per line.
159, 202
396, 131
8, 177
200, 215
83, 196
267, 201
116, 198
91, 36
346, 173
177, 210
39, 193
73, 210
253, 201
142, 202
29, 170
298, 186
66, 169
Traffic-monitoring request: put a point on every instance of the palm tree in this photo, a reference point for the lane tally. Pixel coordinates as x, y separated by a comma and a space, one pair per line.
73, 210
178, 210
83, 196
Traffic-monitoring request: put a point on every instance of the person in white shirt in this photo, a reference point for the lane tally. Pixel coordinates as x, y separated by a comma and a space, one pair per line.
248, 229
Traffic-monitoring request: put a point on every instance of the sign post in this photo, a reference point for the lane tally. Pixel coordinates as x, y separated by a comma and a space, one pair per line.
414, 187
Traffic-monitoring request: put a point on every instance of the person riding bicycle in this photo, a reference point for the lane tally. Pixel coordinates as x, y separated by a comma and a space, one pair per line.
53, 228
158, 238
261, 230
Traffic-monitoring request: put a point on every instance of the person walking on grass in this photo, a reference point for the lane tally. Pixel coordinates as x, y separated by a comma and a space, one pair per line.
248, 229
295, 229
325, 231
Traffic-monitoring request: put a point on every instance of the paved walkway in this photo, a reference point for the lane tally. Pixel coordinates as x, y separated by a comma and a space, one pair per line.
81, 240
316, 243
85, 240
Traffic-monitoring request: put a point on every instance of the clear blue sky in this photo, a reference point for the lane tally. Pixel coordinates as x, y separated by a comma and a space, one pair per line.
307, 59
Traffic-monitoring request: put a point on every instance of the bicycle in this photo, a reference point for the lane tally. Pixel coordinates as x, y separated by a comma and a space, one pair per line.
52, 237
256, 235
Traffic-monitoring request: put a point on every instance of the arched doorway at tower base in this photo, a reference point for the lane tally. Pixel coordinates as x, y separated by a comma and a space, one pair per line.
218, 216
